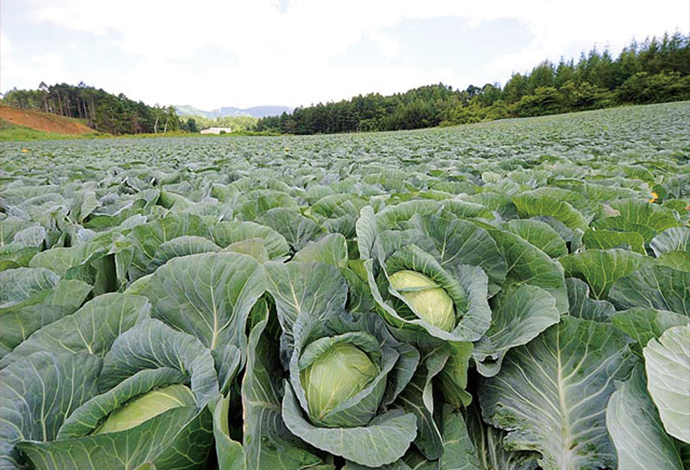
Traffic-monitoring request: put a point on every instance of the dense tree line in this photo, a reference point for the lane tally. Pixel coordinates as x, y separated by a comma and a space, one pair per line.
101, 110
654, 71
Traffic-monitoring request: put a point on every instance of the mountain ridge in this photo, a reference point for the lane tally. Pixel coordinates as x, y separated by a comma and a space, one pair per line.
254, 111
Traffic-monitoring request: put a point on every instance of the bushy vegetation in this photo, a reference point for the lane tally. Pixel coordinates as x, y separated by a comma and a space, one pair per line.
654, 71
505, 295
104, 112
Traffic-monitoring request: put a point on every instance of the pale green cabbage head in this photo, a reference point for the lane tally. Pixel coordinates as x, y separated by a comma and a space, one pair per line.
428, 300
340, 373
147, 406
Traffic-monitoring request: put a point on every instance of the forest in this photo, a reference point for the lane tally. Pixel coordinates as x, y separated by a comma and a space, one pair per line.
102, 111
656, 70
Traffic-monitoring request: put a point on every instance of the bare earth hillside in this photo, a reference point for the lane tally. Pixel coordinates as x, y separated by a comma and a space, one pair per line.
43, 121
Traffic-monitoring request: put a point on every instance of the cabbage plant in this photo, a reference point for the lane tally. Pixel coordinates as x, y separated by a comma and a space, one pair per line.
345, 369
345, 378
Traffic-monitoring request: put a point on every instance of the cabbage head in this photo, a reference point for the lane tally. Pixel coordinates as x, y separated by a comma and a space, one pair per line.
428, 299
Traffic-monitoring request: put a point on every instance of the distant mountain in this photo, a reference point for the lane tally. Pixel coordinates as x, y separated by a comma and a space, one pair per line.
255, 111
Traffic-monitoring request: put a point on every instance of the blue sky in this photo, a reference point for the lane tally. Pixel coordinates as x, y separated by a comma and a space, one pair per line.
297, 52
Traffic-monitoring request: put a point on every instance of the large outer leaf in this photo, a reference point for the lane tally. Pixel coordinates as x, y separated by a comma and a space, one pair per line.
267, 442
539, 234
331, 249
667, 362
181, 246
489, 448
529, 265
461, 242
86, 419
23, 319
672, 239
458, 450
91, 329
230, 454
582, 306
38, 393
147, 238
605, 239
154, 345
180, 438
297, 229
636, 430
19, 284
383, 441
227, 233
657, 287
519, 315
208, 295
315, 288
601, 268
551, 394
637, 211
643, 324
534, 203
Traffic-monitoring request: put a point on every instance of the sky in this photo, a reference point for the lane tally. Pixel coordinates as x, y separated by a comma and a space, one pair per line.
243, 53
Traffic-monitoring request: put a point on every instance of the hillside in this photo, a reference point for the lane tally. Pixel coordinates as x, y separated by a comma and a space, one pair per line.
44, 122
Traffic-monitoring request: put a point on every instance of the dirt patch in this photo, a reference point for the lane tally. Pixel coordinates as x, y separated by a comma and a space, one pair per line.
43, 121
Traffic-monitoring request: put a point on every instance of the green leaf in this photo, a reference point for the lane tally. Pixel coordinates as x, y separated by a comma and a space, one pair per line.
154, 345
600, 269
489, 448
461, 242
297, 229
539, 234
636, 429
458, 450
207, 295
518, 316
38, 393
147, 238
582, 306
641, 212
267, 442
225, 234
657, 287
178, 438
551, 394
19, 284
313, 288
382, 442
535, 203
23, 319
91, 329
181, 246
331, 249
230, 454
527, 264
643, 323
667, 362
605, 239
672, 239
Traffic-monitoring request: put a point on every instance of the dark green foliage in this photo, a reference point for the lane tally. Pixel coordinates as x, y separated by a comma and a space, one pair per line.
655, 71
103, 111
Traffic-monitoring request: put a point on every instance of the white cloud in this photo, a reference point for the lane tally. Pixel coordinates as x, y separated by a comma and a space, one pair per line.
29, 72
282, 49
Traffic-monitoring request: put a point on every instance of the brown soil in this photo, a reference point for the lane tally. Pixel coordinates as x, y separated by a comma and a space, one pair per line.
43, 121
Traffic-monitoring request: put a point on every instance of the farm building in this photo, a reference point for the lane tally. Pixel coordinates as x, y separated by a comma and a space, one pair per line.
216, 130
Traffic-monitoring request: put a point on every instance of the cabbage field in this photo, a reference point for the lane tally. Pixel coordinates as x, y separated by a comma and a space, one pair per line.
505, 295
